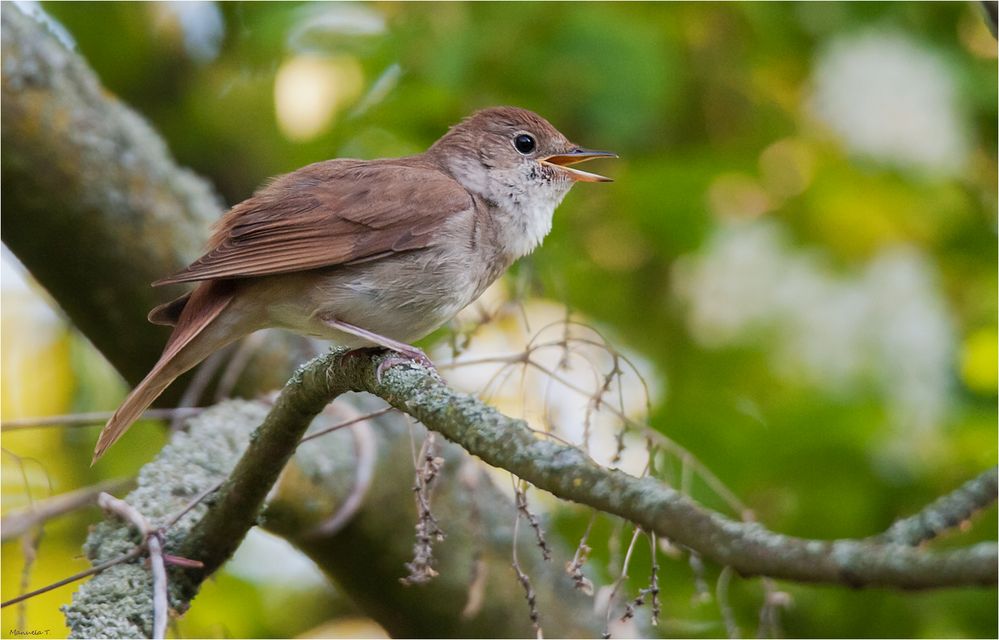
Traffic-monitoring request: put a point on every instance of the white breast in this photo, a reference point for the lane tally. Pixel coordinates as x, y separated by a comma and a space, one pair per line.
526, 219
524, 230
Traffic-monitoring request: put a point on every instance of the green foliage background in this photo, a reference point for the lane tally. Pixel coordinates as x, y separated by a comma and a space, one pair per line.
689, 95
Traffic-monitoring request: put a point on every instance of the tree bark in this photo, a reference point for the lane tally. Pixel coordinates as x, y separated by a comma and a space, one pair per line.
94, 205
363, 562
568, 473
366, 557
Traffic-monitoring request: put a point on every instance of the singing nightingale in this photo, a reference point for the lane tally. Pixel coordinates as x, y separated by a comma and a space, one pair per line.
368, 252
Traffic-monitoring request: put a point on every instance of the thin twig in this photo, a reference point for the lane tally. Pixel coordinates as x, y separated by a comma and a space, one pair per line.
469, 476
603, 343
773, 601
30, 543
621, 578
158, 568
234, 368
525, 582
700, 584
29, 547
196, 387
728, 616
665, 442
520, 492
154, 544
427, 530
575, 566
133, 553
596, 400
17, 522
594, 404
125, 557
193, 502
92, 418
654, 579
366, 454
346, 423
946, 512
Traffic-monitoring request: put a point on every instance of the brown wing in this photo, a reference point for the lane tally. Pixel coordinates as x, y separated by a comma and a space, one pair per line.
329, 213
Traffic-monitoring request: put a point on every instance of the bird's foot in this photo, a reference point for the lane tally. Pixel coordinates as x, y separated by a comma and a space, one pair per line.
400, 356
400, 352
394, 357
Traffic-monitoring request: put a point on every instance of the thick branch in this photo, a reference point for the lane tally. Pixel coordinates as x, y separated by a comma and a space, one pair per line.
991, 10
219, 533
475, 593
566, 472
366, 556
118, 603
94, 205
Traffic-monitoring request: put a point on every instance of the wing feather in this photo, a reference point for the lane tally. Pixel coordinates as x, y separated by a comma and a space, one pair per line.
330, 213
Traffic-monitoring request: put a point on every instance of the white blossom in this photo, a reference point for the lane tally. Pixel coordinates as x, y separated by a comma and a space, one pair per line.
887, 324
893, 100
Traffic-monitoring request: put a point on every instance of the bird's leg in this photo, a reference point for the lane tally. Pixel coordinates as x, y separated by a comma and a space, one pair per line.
405, 351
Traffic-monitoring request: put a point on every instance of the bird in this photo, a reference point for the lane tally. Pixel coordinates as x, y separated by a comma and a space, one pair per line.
368, 252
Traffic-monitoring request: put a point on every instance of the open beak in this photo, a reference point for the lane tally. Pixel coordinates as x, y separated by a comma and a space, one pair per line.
577, 155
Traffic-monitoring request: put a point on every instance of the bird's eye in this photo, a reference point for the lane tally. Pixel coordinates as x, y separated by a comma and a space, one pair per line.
524, 143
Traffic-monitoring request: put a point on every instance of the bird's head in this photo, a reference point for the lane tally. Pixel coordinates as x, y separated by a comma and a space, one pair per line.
513, 157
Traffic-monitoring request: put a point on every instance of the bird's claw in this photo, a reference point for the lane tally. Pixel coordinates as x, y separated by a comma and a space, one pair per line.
403, 357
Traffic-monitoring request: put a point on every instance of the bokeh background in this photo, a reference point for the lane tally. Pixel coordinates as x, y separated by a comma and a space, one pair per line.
800, 247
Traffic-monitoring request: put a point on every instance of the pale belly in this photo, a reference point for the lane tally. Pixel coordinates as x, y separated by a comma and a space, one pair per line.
402, 297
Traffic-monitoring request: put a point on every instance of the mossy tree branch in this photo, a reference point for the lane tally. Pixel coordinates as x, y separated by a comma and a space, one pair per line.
253, 464
568, 473
366, 556
946, 512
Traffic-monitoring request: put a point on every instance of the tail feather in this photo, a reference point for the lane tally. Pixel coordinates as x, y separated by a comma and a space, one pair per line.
188, 345
135, 404
169, 313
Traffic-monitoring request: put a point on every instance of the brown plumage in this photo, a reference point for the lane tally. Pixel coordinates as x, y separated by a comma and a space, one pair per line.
330, 213
188, 345
367, 252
